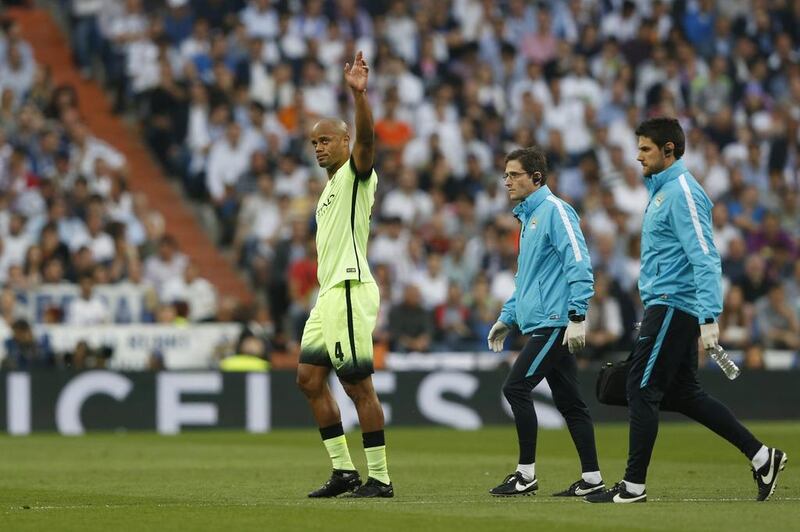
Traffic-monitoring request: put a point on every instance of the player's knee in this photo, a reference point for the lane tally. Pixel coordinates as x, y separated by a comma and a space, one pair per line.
514, 392
308, 383
357, 392
570, 406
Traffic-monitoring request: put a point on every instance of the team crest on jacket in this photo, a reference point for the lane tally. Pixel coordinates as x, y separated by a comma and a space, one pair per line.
659, 200
533, 223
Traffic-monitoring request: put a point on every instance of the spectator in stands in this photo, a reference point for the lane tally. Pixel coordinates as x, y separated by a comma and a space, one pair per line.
736, 320
227, 163
250, 356
778, 323
259, 219
88, 308
168, 263
303, 287
410, 326
24, 352
724, 231
407, 201
604, 319
432, 282
451, 319
16, 74
87, 357
733, 262
755, 282
193, 290
16, 241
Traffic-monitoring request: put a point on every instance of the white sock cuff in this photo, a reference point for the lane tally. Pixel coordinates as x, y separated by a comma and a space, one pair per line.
635, 489
761, 458
528, 471
592, 477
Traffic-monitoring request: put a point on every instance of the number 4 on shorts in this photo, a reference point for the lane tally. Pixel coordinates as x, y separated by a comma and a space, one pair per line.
339, 353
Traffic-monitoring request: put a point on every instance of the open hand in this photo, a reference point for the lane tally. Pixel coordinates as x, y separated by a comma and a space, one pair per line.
356, 74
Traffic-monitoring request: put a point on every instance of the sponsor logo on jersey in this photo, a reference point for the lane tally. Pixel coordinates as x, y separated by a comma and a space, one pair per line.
325, 205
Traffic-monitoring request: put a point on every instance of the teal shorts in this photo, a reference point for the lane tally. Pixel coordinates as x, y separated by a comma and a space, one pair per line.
338, 333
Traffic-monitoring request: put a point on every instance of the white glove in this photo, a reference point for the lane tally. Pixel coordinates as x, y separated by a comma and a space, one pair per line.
575, 336
497, 335
709, 333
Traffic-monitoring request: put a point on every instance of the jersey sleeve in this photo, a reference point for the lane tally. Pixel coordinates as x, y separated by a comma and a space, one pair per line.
690, 218
361, 176
567, 238
509, 312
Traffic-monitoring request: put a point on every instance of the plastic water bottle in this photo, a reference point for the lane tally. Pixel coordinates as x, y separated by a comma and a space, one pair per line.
724, 361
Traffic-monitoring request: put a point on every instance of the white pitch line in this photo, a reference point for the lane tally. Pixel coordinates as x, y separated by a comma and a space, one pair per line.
531, 500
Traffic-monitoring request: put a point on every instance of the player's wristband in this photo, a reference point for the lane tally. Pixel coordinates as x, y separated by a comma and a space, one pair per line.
575, 317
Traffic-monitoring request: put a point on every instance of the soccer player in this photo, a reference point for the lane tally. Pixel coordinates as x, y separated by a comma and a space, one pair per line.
553, 286
680, 284
338, 333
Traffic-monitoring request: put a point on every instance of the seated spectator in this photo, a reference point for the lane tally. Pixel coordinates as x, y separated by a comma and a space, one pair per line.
484, 310
303, 287
86, 357
192, 289
168, 263
87, 308
793, 289
603, 320
432, 282
452, 322
251, 356
736, 320
24, 351
410, 326
778, 325
754, 357
769, 238
755, 283
724, 231
733, 263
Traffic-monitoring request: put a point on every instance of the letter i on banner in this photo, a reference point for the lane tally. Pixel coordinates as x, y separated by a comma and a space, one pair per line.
18, 403
258, 402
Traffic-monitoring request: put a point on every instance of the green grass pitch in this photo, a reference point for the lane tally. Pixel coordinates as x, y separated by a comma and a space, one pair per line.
233, 481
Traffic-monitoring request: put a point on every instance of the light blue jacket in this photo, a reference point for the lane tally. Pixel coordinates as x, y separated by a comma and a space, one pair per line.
554, 273
680, 265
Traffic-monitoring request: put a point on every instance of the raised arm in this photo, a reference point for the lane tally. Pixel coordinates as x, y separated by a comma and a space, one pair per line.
356, 76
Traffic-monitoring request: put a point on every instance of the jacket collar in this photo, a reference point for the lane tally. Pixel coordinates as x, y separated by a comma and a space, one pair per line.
529, 204
656, 181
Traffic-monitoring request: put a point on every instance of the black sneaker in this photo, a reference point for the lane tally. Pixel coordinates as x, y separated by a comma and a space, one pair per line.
767, 477
581, 488
616, 494
341, 481
515, 484
374, 488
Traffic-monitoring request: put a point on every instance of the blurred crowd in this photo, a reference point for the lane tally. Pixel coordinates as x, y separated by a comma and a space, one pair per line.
68, 219
226, 90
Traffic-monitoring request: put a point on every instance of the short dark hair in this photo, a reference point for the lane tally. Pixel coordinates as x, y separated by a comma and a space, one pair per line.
661, 130
532, 160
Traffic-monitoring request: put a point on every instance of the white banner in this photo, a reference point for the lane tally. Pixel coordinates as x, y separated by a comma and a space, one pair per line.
126, 301
182, 346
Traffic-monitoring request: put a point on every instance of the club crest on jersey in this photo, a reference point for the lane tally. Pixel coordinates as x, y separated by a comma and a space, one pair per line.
533, 223
659, 200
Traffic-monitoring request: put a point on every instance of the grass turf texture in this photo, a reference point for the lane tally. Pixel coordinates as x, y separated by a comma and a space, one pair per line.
235, 481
